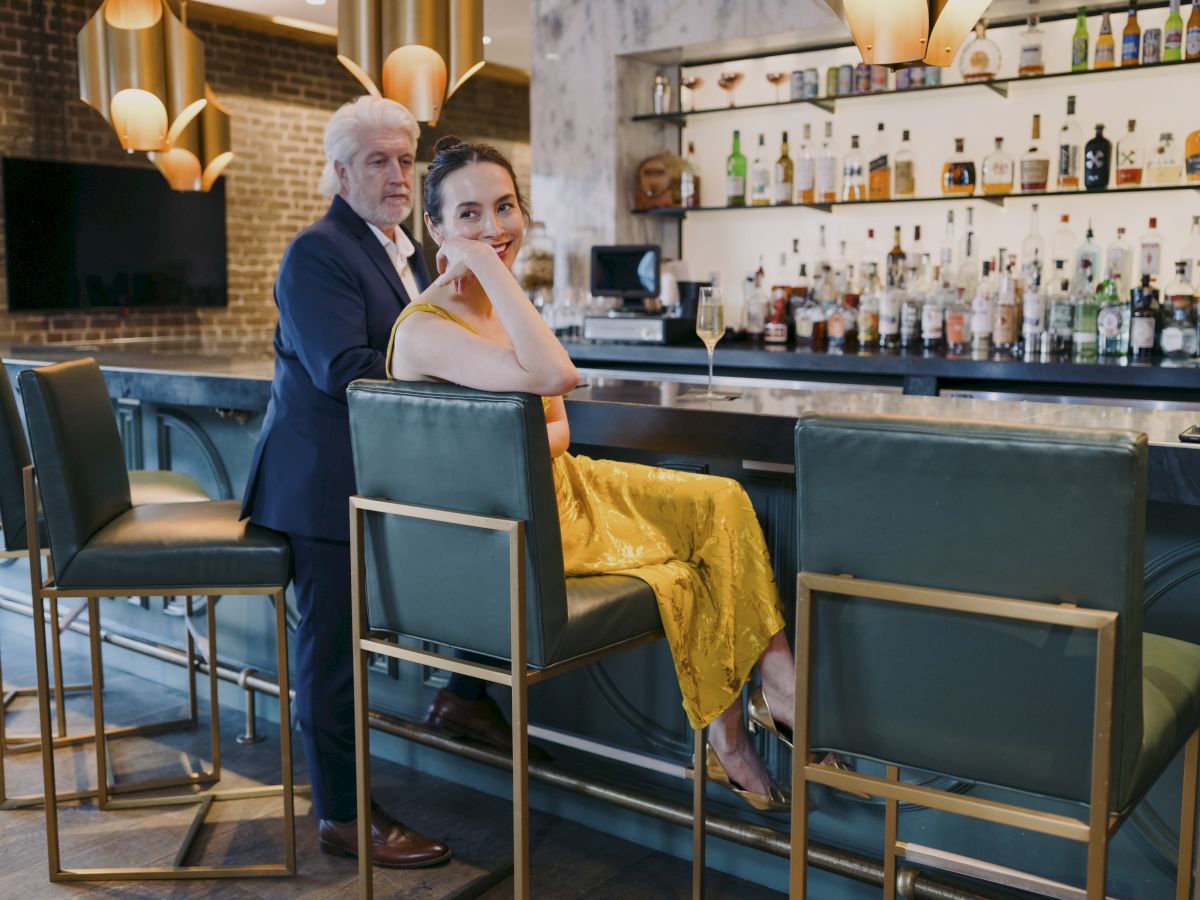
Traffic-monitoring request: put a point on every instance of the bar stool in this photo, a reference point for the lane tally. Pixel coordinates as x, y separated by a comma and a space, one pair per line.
459, 545
994, 561
146, 486
101, 545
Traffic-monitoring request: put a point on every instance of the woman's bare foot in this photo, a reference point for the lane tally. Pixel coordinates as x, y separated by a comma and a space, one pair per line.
732, 745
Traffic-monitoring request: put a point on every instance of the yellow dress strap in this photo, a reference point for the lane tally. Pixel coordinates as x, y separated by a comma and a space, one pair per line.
432, 309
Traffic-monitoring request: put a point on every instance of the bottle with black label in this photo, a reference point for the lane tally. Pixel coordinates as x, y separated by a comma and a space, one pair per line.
1144, 316
1097, 161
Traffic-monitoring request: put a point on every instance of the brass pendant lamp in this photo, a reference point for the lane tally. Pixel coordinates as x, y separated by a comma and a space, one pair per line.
416, 52
201, 152
142, 69
895, 32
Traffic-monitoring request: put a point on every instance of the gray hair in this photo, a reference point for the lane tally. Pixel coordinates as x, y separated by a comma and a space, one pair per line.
345, 130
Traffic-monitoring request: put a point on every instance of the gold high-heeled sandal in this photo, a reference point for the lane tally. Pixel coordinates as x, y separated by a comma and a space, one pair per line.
777, 800
760, 714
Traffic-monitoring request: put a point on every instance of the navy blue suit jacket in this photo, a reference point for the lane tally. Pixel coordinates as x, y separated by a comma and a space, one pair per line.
338, 295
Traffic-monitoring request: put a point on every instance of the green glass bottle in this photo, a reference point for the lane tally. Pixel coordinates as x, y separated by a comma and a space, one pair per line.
1079, 42
1173, 35
735, 174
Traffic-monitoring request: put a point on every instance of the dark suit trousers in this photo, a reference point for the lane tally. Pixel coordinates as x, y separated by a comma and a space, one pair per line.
325, 672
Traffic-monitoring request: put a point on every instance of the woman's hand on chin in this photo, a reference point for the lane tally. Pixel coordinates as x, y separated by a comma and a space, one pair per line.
459, 259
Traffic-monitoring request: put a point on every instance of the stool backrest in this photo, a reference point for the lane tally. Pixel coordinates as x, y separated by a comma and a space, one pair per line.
470, 451
77, 451
14, 457
1027, 512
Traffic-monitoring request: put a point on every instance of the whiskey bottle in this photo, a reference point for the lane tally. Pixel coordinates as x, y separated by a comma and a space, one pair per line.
879, 179
784, 175
958, 173
1070, 137
735, 174
1006, 316
895, 261
760, 177
806, 169
1035, 165
1143, 322
853, 181
1032, 41
1079, 42
1163, 165
904, 180
1129, 158
980, 58
958, 319
827, 169
1097, 161
998, 170
1131, 39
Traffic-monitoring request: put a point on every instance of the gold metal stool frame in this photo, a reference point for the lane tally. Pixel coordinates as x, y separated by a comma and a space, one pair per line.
43, 589
1095, 831
518, 679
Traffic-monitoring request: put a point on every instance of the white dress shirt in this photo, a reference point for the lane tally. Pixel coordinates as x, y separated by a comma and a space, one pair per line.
399, 250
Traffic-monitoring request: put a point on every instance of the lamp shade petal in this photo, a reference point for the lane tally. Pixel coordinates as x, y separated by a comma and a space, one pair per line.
201, 152
359, 42
466, 42
952, 22
416, 36
185, 74
894, 32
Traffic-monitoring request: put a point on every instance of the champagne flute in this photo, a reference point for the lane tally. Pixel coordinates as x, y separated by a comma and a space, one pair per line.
728, 81
710, 327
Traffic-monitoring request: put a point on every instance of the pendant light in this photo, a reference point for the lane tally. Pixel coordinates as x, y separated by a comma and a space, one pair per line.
202, 150
894, 32
416, 52
142, 70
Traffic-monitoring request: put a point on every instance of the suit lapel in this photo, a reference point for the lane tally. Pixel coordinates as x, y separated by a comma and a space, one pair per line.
383, 262
340, 211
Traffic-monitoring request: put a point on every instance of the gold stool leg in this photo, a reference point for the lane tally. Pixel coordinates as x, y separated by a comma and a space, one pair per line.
1187, 819
520, 779
699, 783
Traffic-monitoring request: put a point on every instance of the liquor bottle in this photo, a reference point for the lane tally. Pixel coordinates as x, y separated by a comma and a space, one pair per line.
980, 58
1033, 252
958, 172
1033, 315
1088, 258
1083, 326
1064, 245
689, 179
1129, 158
1097, 161
904, 176
1060, 319
1131, 38
827, 169
910, 313
933, 319
998, 170
982, 310
853, 183
872, 255
1173, 35
1106, 47
784, 175
1191, 157
1112, 319
1070, 137
1006, 316
946, 253
1191, 253
895, 261
879, 178
760, 176
1079, 42
1150, 252
868, 312
806, 169
841, 327
1163, 165
1035, 165
735, 174
1178, 339
843, 269
1032, 42
1191, 40
958, 318
1143, 322
1118, 259
968, 257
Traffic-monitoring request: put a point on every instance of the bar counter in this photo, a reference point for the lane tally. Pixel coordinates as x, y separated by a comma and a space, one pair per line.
199, 408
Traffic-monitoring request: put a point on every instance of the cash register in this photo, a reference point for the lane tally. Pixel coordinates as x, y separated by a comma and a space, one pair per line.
633, 273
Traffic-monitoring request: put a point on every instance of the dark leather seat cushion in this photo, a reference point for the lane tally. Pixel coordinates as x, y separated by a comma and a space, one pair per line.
180, 545
603, 610
161, 486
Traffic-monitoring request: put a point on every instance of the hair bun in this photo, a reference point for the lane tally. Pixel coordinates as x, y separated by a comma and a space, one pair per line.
447, 143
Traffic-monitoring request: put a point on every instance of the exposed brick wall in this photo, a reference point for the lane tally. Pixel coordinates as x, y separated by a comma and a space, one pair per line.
279, 91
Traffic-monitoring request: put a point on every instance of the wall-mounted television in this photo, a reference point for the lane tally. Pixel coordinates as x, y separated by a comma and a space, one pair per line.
81, 236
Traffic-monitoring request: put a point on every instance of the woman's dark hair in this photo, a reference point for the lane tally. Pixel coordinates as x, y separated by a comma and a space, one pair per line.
451, 154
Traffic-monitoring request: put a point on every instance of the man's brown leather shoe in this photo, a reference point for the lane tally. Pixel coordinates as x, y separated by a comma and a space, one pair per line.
480, 720
393, 845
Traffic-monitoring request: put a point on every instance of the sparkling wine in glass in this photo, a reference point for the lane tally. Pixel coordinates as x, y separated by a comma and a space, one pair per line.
776, 79
710, 327
728, 81
690, 84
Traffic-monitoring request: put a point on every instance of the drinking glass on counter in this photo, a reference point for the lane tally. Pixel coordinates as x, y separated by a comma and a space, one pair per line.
710, 328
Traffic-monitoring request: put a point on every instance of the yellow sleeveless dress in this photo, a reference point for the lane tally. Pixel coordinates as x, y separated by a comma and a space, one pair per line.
693, 538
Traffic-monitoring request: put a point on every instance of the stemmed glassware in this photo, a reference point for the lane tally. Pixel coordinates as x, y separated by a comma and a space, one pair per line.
710, 328
776, 79
728, 81
689, 84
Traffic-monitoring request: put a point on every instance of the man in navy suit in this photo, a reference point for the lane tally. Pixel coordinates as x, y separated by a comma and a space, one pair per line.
341, 285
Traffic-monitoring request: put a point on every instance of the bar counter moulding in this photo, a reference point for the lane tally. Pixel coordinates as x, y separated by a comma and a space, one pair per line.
829, 104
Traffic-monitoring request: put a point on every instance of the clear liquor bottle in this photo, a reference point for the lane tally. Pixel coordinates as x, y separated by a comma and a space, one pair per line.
946, 253
1088, 258
982, 310
904, 175
1033, 315
1164, 165
1191, 253
879, 169
1064, 245
689, 179
1032, 43
1118, 260
760, 176
979, 59
1083, 328
933, 320
806, 169
1007, 315
998, 170
910, 312
735, 174
1129, 157
1178, 339
968, 257
868, 312
854, 186
827, 168
1060, 317
1150, 252
1033, 252
958, 318
785, 179
1143, 326
1070, 140
1035, 164
1112, 319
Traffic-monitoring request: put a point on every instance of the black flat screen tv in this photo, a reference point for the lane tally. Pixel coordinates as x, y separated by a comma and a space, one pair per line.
80, 236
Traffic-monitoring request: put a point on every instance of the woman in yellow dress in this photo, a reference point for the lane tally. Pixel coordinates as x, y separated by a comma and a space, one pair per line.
693, 538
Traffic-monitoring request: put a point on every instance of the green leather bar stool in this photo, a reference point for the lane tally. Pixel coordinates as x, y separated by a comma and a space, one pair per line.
970, 604
455, 541
145, 487
103, 546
